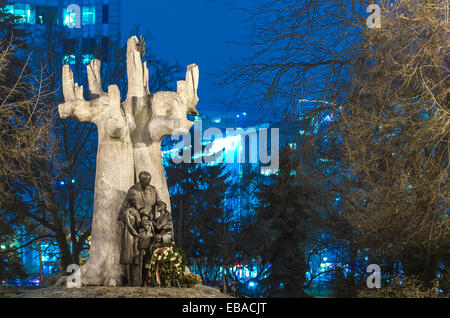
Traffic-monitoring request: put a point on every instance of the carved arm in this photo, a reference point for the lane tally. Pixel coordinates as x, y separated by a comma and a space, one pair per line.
103, 106
188, 89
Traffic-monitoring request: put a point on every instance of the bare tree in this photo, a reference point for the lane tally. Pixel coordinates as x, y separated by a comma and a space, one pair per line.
395, 130
26, 121
381, 101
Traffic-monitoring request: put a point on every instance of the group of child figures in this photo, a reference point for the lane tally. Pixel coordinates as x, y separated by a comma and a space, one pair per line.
142, 231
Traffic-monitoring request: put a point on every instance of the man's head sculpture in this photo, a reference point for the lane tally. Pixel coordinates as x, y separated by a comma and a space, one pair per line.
145, 178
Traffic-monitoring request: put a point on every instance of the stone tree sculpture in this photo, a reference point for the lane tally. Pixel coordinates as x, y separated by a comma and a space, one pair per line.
129, 141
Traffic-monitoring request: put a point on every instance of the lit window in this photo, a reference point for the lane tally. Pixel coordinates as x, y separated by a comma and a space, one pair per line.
88, 15
268, 171
293, 173
69, 18
293, 146
9, 9
87, 58
23, 12
69, 59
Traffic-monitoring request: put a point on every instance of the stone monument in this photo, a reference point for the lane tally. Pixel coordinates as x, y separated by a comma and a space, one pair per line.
129, 142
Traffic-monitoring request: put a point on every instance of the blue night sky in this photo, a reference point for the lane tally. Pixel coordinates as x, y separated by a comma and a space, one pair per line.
190, 31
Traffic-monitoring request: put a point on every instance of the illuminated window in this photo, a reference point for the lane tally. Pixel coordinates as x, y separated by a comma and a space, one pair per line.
24, 12
87, 58
9, 9
293, 146
88, 15
69, 60
267, 171
69, 18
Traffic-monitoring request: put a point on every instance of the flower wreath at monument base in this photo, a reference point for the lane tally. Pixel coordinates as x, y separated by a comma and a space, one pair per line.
166, 268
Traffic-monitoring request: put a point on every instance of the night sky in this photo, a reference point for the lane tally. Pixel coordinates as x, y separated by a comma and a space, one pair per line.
190, 31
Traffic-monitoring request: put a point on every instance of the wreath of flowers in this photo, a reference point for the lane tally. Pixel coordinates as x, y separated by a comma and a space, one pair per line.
167, 266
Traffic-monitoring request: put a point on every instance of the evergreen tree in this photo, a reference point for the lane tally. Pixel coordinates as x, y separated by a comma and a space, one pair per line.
203, 221
278, 232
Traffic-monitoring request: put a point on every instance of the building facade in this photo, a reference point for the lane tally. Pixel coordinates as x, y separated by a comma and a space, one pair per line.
87, 24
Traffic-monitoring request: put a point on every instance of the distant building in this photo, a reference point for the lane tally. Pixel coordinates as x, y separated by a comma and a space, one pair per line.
233, 149
88, 24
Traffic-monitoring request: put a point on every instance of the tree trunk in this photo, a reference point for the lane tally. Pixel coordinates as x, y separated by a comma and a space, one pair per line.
114, 176
41, 266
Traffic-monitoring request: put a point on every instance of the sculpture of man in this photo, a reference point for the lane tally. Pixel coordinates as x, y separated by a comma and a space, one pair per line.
138, 204
142, 196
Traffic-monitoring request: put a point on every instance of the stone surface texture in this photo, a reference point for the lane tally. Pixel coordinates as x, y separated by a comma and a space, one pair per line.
199, 291
129, 142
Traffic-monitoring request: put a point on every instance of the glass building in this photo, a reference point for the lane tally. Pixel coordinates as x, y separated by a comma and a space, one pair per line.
89, 23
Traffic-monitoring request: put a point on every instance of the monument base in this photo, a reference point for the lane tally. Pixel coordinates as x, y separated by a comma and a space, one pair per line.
200, 291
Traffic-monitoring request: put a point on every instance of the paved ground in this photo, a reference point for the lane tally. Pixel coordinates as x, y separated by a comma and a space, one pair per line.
199, 291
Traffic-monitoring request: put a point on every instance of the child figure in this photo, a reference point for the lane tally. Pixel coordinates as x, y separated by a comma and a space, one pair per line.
146, 234
163, 225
